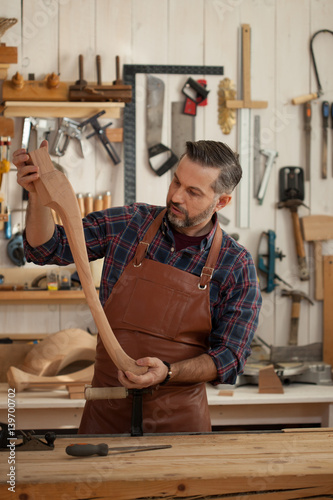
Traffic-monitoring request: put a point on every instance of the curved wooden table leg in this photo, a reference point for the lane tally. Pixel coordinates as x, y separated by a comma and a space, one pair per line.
56, 192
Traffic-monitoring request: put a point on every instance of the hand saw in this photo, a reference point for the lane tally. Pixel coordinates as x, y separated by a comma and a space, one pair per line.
161, 158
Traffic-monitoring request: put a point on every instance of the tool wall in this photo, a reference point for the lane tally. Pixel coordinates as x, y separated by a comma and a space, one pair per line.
51, 35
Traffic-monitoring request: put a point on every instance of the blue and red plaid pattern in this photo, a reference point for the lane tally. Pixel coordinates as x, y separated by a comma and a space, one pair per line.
235, 298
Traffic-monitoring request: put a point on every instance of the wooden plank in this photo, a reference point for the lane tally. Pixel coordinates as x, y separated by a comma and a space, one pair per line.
328, 310
59, 110
275, 464
317, 227
43, 297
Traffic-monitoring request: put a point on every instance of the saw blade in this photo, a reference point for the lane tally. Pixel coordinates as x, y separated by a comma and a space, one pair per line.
155, 103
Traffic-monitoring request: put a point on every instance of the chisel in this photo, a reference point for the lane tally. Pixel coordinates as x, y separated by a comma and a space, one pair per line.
325, 112
307, 129
88, 450
332, 129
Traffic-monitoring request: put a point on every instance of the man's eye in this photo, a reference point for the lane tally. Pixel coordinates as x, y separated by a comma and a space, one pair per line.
193, 193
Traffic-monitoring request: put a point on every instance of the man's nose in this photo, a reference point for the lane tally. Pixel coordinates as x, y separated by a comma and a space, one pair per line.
178, 196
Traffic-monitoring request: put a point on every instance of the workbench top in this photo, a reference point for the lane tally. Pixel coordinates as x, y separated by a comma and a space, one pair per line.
196, 466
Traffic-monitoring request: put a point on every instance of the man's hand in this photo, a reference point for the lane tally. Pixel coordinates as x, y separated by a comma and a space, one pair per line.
157, 372
26, 173
39, 220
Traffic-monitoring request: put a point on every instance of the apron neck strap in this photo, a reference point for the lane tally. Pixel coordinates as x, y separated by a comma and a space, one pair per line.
207, 270
143, 245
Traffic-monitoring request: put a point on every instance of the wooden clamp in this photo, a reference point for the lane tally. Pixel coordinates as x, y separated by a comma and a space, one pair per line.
246, 102
56, 192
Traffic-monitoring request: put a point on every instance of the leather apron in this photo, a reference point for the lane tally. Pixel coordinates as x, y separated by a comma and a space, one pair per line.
160, 311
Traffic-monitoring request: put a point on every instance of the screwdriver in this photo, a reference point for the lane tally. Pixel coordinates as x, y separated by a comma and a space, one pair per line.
332, 129
325, 114
307, 129
87, 450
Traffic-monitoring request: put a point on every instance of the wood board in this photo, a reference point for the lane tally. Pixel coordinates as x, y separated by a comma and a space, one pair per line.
328, 310
274, 465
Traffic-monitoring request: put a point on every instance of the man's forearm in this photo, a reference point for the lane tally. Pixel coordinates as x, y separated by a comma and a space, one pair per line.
39, 222
200, 369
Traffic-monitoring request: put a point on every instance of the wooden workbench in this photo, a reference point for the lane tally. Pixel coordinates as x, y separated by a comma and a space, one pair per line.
277, 465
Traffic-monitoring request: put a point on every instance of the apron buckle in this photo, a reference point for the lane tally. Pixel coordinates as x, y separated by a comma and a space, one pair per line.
140, 253
205, 277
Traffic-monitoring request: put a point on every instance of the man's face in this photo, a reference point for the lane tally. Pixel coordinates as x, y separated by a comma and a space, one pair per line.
191, 201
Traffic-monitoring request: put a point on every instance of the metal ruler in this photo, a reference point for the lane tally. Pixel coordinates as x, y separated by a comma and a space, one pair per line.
129, 73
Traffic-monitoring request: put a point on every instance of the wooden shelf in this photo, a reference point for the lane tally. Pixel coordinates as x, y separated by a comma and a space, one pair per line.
43, 297
66, 109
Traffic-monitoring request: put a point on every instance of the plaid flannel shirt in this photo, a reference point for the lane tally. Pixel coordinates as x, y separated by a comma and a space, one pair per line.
235, 298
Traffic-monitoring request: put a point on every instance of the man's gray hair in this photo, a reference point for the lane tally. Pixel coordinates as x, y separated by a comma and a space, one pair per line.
218, 155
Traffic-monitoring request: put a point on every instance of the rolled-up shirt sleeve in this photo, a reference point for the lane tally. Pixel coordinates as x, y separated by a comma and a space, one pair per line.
54, 251
235, 320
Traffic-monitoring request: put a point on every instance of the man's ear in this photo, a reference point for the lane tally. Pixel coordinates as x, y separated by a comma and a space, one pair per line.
223, 200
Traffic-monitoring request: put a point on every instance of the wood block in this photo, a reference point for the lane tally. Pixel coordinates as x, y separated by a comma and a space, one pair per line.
76, 391
8, 55
115, 134
328, 310
6, 127
4, 71
269, 382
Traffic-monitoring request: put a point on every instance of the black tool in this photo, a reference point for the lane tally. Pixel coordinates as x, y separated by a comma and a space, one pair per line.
99, 131
291, 190
87, 450
100, 393
325, 113
291, 183
29, 442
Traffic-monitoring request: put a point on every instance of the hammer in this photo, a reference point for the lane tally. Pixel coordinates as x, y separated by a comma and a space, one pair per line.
296, 297
293, 205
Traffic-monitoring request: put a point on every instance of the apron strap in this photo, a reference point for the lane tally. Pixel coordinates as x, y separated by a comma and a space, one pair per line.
143, 245
207, 270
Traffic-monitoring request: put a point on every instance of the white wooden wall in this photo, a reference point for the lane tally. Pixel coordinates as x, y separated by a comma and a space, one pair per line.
51, 34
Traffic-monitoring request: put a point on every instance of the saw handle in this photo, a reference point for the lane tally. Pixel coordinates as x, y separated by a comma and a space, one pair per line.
161, 149
87, 450
305, 98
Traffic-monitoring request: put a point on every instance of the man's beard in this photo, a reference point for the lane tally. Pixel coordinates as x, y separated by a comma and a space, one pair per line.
189, 221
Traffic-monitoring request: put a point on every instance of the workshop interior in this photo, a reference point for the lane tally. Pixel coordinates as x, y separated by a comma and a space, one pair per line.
117, 87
